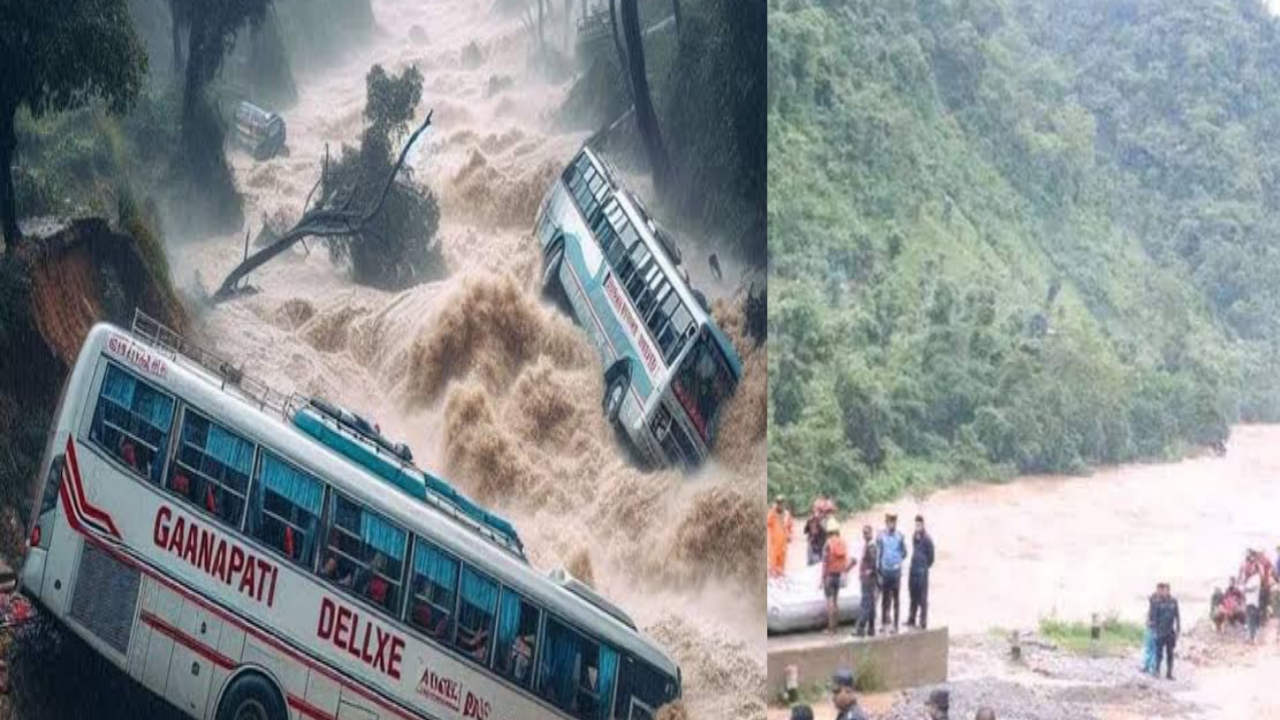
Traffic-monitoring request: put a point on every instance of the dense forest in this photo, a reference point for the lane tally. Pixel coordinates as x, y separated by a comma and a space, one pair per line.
1017, 236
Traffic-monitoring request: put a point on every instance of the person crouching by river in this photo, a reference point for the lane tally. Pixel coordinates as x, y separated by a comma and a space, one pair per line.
1166, 623
835, 563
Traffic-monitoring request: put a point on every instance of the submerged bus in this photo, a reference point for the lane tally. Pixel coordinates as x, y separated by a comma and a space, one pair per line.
669, 369
248, 556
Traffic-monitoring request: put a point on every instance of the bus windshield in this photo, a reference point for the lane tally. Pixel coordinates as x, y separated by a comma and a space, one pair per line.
703, 383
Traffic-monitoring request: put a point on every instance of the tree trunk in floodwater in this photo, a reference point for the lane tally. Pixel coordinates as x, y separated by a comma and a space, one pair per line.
179, 24
8, 205
646, 118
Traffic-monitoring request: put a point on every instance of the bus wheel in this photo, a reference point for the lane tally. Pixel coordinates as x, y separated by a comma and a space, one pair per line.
551, 271
251, 697
614, 395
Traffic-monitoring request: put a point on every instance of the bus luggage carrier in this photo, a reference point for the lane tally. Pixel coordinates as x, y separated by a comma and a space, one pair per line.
324, 423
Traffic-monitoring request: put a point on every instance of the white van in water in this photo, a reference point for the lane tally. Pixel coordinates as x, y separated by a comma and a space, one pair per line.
259, 131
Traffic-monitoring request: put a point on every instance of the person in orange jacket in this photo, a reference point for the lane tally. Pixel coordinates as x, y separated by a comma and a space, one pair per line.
778, 523
836, 563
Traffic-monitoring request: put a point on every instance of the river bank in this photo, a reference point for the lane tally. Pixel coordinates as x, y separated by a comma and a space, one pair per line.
1039, 547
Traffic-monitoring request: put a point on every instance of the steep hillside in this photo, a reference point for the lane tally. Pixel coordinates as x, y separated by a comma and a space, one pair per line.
1017, 236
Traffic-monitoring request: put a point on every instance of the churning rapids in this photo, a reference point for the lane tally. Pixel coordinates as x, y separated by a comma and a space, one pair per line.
492, 387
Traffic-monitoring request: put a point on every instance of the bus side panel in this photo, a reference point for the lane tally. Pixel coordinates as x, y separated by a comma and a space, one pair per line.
165, 606
291, 674
323, 694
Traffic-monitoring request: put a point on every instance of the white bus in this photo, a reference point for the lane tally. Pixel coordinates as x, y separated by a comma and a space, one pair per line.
243, 556
669, 369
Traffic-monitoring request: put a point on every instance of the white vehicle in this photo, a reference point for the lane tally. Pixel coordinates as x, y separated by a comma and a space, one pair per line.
669, 370
251, 557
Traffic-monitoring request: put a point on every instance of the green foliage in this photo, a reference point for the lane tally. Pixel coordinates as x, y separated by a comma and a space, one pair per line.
1116, 638
1015, 236
399, 248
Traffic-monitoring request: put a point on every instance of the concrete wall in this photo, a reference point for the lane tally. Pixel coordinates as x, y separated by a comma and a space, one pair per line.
899, 661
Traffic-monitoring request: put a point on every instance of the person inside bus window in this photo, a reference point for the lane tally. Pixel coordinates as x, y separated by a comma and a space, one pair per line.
333, 571
129, 452
521, 657
474, 642
180, 483
376, 587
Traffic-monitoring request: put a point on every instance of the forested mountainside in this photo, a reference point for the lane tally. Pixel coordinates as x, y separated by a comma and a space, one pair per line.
1017, 236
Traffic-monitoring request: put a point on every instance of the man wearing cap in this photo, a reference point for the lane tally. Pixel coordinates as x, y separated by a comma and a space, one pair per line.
938, 706
893, 552
842, 696
869, 579
835, 563
918, 579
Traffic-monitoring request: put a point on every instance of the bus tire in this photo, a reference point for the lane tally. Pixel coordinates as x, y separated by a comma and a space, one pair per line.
252, 697
551, 286
615, 392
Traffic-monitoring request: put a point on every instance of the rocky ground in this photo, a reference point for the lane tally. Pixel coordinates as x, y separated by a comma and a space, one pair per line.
1051, 683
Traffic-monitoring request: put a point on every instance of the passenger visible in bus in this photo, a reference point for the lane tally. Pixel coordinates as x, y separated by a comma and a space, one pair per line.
180, 483
521, 657
333, 571
375, 586
129, 452
474, 642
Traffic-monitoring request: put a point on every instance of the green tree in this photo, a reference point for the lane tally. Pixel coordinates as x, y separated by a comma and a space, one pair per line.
56, 55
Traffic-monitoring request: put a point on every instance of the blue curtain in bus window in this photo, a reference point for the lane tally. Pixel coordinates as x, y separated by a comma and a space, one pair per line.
437, 567
296, 487
118, 387
153, 408
382, 536
508, 623
229, 450
607, 675
559, 679
479, 592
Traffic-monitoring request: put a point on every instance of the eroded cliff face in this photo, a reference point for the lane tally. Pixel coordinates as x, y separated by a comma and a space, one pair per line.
53, 288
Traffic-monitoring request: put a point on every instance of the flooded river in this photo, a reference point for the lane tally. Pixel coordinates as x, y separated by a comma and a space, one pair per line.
1009, 555
491, 386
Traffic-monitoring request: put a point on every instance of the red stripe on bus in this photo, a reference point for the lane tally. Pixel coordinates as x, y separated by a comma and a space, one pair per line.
308, 709
248, 629
90, 511
179, 636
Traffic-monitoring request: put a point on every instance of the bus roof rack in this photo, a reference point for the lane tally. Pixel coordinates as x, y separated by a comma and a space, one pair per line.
164, 340
561, 577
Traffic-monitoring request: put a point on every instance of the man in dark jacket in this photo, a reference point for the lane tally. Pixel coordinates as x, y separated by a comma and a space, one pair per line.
816, 532
918, 580
1166, 623
869, 578
843, 697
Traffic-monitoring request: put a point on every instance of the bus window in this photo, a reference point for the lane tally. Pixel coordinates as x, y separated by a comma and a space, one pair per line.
577, 675
435, 583
132, 423
517, 639
365, 554
477, 606
211, 468
643, 691
702, 385
285, 509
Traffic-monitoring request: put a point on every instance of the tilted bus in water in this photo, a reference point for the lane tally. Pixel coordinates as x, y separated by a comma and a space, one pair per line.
669, 369
262, 133
252, 557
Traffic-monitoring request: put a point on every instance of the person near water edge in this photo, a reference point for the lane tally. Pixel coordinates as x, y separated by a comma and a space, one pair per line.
815, 532
869, 584
843, 696
835, 564
938, 706
1166, 622
776, 524
918, 575
893, 552
1252, 588
1149, 646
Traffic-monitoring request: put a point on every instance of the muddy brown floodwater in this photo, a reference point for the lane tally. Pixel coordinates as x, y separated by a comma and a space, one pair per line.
491, 386
1009, 555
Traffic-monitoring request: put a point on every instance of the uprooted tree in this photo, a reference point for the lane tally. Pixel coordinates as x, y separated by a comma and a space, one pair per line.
369, 209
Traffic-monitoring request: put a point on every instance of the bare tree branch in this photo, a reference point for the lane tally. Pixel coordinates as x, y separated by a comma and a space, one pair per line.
322, 221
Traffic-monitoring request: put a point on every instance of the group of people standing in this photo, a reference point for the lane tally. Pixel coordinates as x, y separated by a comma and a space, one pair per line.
879, 566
